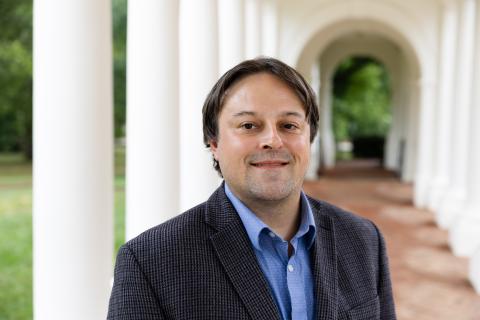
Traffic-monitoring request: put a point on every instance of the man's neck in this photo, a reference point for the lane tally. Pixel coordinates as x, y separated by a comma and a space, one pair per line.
283, 216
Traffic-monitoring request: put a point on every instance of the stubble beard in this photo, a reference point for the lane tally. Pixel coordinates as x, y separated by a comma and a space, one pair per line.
270, 186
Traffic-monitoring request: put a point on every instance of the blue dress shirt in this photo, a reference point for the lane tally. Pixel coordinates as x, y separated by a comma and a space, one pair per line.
290, 278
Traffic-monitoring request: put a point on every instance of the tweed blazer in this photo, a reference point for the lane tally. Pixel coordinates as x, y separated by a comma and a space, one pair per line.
201, 265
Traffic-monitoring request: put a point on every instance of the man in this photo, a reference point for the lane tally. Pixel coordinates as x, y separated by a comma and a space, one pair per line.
258, 248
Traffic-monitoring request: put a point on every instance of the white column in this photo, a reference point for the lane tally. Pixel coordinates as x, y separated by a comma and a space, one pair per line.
253, 28
425, 138
270, 28
392, 144
445, 104
396, 143
454, 199
315, 146
231, 33
473, 205
327, 137
198, 73
73, 159
393, 150
153, 171
411, 115
474, 272
465, 230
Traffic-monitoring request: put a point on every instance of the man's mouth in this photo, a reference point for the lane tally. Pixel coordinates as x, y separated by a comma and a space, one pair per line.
269, 164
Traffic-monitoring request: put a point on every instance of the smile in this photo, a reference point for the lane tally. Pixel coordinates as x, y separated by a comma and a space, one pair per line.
270, 164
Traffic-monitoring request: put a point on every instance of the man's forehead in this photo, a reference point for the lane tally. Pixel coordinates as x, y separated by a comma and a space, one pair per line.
260, 94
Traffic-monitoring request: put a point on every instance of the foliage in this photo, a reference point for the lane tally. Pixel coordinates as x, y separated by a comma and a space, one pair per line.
361, 99
16, 76
119, 8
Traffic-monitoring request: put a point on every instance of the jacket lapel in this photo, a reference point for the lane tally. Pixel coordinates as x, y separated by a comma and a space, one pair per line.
236, 254
324, 265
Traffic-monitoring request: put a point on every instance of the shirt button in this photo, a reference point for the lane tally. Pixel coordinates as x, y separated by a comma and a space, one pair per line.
290, 268
271, 234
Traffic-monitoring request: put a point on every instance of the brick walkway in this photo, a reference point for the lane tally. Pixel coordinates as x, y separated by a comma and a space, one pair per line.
429, 283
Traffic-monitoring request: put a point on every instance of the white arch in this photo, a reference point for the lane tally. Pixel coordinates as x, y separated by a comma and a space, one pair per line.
331, 20
390, 55
348, 47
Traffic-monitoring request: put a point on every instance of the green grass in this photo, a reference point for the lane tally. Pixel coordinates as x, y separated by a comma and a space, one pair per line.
16, 232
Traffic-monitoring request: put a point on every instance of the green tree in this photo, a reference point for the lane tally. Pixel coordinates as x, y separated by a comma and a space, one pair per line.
16, 73
361, 102
16, 76
119, 8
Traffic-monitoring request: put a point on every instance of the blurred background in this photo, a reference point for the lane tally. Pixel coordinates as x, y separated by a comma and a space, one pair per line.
89, 102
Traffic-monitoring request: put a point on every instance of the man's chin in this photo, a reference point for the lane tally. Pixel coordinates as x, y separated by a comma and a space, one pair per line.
273, 191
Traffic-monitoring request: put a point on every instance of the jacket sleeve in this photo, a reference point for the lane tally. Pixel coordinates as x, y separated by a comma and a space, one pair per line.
132, 295
387, 305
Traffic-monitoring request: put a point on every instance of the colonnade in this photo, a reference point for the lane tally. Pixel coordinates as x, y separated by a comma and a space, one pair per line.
176, 50
448, 182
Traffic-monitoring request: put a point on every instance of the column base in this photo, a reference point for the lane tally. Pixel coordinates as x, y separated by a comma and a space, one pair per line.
464, 235
474, 274
451, 208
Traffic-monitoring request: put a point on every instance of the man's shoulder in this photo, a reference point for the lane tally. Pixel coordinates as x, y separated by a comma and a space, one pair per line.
184, 228
346, 223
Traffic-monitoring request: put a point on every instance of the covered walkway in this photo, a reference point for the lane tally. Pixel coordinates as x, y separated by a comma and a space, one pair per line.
429, 282
175, 52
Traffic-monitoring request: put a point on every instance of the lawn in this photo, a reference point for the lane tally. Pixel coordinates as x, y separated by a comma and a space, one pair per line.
16, 232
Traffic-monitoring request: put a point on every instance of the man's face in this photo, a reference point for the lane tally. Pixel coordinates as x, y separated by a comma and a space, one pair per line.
263, 143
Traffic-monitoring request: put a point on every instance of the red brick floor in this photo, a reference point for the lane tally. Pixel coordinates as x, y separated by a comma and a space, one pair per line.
429, 283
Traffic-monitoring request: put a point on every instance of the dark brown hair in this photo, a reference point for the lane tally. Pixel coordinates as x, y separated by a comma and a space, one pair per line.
214, 102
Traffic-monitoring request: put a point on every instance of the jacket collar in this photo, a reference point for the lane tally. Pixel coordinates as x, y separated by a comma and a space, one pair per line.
323, 258
235, 252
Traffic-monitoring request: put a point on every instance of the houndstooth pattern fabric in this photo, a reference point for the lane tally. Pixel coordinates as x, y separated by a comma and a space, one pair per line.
201, 265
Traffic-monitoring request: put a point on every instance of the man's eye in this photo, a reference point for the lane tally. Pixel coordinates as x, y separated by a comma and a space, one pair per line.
290, 126
248, 126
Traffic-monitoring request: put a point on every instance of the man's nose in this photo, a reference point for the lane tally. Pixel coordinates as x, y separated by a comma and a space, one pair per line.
270, 138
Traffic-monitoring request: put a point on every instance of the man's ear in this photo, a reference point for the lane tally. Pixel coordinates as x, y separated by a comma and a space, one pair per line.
213, 148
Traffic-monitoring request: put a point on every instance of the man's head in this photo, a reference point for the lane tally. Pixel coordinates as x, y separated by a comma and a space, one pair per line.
259, 120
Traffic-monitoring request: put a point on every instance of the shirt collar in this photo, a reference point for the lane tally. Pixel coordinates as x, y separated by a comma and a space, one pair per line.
254, 226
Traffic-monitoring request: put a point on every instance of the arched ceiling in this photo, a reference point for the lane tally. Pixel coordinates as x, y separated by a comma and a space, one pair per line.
309, 36
367, 29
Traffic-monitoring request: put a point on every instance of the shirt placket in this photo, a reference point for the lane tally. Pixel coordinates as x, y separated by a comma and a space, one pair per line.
295, 286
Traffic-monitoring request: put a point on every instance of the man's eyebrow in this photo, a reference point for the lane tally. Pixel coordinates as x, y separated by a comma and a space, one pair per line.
285, 114
244, 113
295, 114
